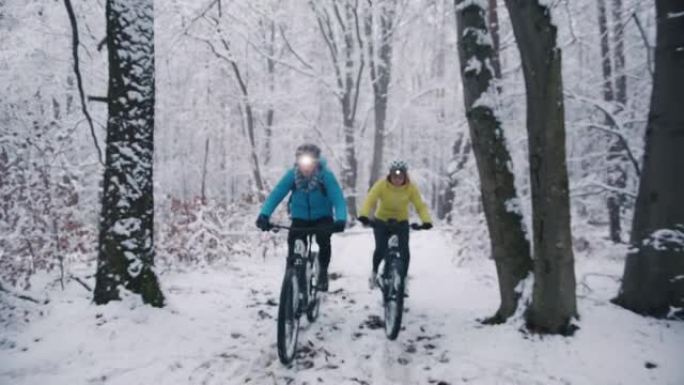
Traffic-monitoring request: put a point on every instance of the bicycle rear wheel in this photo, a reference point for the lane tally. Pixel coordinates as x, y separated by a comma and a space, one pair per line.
313, 309
393, 299
288, 317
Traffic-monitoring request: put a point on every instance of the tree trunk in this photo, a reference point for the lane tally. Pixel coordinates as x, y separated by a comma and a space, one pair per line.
493, 24
553, 301
380, 75
510, 247
345, 45
203, 190
256, 170
617, 175
614, 202
619, 54
126, 243
270, 111
653, 281
351, 170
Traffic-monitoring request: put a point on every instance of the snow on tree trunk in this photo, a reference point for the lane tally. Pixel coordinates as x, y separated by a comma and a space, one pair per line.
343, 39
510, 247
554, 301
653, 281
126, 245
380, 75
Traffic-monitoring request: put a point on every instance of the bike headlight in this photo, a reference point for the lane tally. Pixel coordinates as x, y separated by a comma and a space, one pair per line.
306, 160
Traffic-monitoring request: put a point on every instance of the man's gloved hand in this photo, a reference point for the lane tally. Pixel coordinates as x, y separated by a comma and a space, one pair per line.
263, 222
338, 226
427, 226
364, 220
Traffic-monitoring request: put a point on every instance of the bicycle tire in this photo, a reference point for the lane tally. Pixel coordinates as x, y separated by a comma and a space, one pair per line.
393, 301
313, 309
288, 317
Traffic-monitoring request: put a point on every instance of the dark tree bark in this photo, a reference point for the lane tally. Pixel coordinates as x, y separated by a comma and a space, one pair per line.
614, 92
614, 202
653, 281
126, 243
606, 66
553, 301
619, 54
510, 248
380, 75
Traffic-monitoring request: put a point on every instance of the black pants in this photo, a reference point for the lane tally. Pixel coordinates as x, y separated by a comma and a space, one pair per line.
381, 231
322, 237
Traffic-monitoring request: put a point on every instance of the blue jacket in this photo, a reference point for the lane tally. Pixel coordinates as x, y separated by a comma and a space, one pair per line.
311, 205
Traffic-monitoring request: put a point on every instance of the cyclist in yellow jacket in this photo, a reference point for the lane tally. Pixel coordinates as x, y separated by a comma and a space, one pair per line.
394, 193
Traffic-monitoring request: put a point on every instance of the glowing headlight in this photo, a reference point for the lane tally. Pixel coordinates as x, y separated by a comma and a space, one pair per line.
305, 160
397, 172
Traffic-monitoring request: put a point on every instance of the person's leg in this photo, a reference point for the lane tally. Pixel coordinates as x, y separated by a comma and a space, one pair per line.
324, 251
404, 247
381, 237
292, 236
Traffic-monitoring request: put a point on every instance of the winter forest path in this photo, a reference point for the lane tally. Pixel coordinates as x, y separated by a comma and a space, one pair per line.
219, 328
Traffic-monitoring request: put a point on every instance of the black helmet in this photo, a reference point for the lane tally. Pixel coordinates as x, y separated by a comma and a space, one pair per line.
398, 166
309, 149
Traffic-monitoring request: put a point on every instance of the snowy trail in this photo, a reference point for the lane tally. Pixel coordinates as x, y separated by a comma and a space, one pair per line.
219, 328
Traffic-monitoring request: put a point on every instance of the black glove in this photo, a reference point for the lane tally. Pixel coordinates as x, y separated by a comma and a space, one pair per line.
364, 220
424, 226
338, 226
263, 222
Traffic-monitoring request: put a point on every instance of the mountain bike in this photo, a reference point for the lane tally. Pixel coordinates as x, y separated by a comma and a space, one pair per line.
390, 280
299, 292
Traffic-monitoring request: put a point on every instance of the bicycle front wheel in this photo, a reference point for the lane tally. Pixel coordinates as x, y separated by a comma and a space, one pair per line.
314, 300
288, 317
393, 301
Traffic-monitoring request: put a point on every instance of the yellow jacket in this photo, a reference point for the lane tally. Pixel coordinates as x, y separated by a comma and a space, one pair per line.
394, 201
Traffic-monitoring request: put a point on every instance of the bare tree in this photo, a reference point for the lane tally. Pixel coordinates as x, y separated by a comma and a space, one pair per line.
379, 38
653, 281
339, 24
126, 248
510, 248
554, 300
614, 92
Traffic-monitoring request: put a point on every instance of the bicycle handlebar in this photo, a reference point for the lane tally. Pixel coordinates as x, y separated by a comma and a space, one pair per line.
275, 227
393, 224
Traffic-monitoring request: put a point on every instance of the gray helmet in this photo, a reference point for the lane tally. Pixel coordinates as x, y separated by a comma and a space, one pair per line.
309, 149
398, 166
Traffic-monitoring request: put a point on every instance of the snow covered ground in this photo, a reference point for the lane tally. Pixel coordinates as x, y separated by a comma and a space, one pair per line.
219, 328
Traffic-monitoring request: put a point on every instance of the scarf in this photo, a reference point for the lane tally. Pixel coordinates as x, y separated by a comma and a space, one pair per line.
310, 183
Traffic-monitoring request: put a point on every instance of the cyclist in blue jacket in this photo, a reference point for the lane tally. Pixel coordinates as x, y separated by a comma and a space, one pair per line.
314, 196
